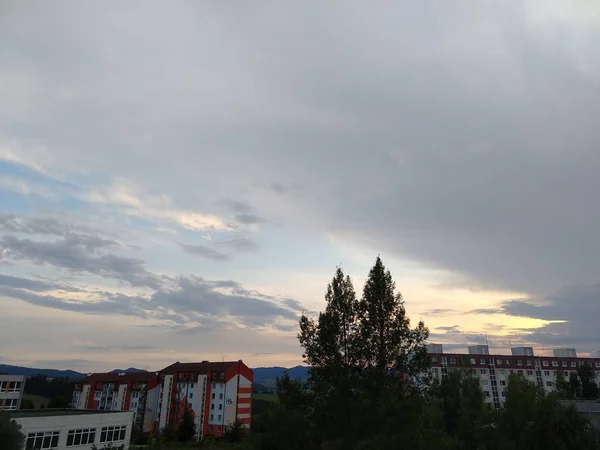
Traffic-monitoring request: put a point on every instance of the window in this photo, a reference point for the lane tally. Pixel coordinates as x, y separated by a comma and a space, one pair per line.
219, 418
220, 407
573, 364
483, 371
213, 385
554, 363
2, 386
519, 362
563, 363
10, 404
191, 395
110, 434
212, 417
453, 361
502, 372
191, 385
487, 393
473, 361
502, 383
213, 395
508, 362
511, 371
503, 393
482, 360
212, 406
434, 359
549, 383
529, 363
520, 372
545, 363
485, 382
499, 362
530, 373
42, 440
597, 363
221, 396
81, 437
435, 370
15, 386
546, 373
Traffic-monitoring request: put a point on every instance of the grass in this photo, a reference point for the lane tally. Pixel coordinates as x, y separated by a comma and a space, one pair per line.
271, 397
37, 400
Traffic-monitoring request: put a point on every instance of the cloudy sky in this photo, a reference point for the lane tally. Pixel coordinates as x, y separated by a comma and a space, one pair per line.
179, 180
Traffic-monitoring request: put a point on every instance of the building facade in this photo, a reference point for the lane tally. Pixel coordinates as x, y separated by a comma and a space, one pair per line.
216, 394
493, 371
114, 392
11, 391
73, 430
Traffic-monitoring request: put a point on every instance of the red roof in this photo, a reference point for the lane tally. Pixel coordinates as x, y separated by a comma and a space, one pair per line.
199, 367
113, 377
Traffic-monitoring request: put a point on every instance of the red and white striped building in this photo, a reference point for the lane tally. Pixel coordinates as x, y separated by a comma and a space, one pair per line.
215, 393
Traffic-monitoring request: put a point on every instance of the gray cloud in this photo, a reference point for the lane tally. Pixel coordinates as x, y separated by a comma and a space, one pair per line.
407, 135
440, 312
188, 303
78, 254
205, 252
249, 219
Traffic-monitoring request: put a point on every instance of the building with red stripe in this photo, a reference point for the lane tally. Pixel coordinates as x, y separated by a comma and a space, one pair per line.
493, 371
216, 394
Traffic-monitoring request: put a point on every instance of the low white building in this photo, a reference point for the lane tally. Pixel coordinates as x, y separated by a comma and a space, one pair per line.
70, 429
11, 391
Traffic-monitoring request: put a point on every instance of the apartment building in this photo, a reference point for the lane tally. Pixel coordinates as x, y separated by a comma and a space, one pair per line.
493, 370
216, 394
114, 392
11, 391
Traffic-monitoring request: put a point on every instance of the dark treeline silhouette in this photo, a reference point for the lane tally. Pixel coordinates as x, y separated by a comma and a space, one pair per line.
58, 391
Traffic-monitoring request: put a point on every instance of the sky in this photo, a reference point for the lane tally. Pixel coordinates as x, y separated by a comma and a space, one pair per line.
179, 180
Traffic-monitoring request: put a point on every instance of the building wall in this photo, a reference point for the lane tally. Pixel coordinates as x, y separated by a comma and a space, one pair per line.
64, 424
11, 392
493, 371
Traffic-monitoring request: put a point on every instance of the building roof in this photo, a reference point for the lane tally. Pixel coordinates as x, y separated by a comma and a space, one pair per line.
23, 413
199, 367
114, 377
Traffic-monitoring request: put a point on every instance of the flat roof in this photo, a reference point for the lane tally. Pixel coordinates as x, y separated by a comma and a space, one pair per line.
22, 413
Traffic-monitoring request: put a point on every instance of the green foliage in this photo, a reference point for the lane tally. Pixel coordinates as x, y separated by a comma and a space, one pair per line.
56, 387
187, 428
27, 403
11, 437
580, 385
235, 433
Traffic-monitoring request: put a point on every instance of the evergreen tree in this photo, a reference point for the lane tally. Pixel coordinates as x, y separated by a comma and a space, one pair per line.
187, 428
11, 437
387, 343
587, 382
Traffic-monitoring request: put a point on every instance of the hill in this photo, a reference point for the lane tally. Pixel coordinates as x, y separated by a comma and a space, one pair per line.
265, 376
268, 375
53, 373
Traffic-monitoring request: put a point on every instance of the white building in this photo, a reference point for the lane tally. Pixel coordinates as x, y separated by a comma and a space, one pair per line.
493, 371
68, 429
11, 391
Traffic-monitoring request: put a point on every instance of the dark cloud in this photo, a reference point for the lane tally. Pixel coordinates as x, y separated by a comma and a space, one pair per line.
90, 346
576, 310
205, 252
440, 312
249, 219
78, 254
188, 303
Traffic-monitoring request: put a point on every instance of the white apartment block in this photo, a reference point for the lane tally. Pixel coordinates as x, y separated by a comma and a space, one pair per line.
493, 371
11, 391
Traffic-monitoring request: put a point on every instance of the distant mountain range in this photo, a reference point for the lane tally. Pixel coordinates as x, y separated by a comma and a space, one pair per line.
266, 376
